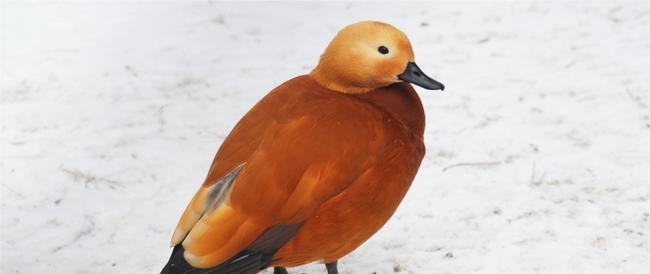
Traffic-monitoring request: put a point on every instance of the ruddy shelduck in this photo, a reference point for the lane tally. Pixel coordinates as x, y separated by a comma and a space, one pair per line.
314, 168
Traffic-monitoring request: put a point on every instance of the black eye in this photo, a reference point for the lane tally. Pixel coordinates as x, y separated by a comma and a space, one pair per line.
383, 50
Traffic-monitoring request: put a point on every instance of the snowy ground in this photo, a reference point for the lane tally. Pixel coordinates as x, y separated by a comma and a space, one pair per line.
537, 152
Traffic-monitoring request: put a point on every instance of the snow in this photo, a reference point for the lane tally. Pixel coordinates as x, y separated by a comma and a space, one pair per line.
537, 153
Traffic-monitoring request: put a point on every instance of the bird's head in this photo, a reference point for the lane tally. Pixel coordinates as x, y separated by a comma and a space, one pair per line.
369, 55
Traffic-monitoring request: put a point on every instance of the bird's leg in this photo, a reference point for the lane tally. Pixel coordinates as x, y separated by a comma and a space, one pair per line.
280, 270
331, 268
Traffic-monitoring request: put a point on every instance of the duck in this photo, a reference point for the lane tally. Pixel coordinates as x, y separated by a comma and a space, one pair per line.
316, 167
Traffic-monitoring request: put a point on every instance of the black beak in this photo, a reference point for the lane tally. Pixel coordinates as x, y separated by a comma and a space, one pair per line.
414, 75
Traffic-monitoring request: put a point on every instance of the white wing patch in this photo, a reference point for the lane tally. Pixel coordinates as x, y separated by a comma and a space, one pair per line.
212, 196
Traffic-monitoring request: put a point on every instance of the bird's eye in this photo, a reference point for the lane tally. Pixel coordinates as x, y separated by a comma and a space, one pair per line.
383, 50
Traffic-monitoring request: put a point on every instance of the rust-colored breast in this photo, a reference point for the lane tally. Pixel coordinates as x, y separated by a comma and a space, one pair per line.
344, 222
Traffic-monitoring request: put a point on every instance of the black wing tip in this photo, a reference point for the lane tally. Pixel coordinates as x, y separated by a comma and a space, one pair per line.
177, 263
245, 262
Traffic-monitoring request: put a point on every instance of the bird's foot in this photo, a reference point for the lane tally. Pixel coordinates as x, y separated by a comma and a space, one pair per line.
331, 268
280, 270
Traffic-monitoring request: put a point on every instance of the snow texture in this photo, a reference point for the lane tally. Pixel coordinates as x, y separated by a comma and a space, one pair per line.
537, 153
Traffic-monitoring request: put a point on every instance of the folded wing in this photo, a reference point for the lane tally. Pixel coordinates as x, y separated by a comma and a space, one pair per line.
297, 164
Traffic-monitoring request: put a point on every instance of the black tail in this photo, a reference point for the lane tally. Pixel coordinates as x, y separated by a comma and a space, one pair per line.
255, 257
245, 262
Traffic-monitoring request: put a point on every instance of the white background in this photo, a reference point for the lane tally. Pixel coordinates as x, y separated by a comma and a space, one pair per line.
111, 113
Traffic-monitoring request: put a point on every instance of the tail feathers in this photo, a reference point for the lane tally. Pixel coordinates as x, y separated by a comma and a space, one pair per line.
245, 262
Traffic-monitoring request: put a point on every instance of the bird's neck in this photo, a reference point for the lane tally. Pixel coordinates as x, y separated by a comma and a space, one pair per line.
332, 81
399, 100
402, 102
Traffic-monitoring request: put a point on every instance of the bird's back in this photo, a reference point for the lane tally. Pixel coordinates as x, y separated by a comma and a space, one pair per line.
303, 96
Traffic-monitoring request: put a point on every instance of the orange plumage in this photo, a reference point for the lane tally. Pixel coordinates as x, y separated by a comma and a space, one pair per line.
317, 166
